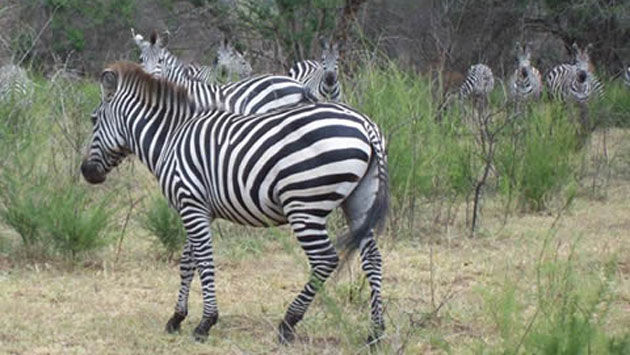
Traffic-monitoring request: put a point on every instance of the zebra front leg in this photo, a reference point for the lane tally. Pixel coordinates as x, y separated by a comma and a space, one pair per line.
187, 273
372, 265
323, 261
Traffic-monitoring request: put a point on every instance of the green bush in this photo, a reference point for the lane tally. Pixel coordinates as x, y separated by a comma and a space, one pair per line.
537, 155
427, 157
165, 224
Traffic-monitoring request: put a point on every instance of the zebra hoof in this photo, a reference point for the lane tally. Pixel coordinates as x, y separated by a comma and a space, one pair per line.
377, 335
286, 335
201, 332
174, 324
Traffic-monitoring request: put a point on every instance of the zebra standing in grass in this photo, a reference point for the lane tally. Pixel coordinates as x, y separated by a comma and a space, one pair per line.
575, 82
15, 84
478, 84
292, 166
322, 78
626, 76
526, 81
259, 94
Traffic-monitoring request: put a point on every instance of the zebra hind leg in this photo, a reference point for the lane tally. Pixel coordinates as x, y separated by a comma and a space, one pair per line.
323, 260
187, 273
356, 210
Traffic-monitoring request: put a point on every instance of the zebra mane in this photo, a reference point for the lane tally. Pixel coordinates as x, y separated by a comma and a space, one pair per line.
149, 87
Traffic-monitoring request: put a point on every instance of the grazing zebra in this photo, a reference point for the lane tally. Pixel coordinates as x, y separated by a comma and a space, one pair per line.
259, 94
526, 81
322, 78
15, 84
575, 82
478, 84
292, 166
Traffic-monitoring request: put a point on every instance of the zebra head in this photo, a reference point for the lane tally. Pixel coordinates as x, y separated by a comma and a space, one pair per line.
231, 61
582, 57
108, 146
330, 58
154, 57
523, 55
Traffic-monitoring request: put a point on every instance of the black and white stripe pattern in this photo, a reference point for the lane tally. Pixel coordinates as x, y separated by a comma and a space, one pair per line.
258, 94
478, 84
626, 76
15, 84
575, 82
526, 81
291, 166
321, 78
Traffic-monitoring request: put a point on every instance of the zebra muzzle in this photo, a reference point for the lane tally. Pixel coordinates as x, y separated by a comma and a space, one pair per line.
91, 174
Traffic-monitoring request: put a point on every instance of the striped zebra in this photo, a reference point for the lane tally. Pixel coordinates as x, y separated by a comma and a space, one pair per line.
231, 62
575, 82
259, 94
526, 81
626, 76
321, 78
286, 167
478, 84
15, 85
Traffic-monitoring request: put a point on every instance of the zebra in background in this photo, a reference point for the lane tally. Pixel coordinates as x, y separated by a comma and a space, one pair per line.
15, 85
321, 78
526, 81
478, 84
626, 76
232, 62
259, 94
286, 167
575, 82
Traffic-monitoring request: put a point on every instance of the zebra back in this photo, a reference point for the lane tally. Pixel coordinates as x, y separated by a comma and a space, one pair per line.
15, 84
479, 82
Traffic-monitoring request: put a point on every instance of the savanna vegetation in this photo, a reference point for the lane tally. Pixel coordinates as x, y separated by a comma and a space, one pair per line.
507, 233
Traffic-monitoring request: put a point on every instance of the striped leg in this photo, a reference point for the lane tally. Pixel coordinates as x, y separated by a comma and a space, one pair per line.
187, 273
197, 224
323, 259
372, 265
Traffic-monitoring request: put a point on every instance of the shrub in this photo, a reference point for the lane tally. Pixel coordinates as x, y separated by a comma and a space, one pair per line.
165, 224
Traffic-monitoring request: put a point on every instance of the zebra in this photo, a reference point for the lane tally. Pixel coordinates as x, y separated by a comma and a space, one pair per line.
526, 81
626, 76
322, 78
258, 94
575, 82
15, 85
292, 166
232, 62
478, 84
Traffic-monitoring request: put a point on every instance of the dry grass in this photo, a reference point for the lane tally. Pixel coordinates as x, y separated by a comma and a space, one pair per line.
121, 307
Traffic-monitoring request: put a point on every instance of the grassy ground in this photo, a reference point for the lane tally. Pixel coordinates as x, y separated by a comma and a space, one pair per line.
444, 293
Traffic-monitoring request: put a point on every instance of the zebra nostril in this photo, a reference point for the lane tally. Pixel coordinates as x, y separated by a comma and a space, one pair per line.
524, 72
581, 76
330, 79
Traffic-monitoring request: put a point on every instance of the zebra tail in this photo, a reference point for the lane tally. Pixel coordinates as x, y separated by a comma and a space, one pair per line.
376, 217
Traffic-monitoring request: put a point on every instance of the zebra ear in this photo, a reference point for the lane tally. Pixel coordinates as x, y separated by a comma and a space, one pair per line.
109, 84
589, 47
137, 38
575, 47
